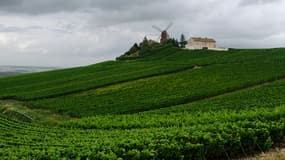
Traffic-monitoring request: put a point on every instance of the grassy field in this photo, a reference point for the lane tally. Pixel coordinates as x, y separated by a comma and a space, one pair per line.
164, 91
169, 104
165, 60
227, 107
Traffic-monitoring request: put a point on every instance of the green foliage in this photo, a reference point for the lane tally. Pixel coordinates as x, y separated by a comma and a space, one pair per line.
172, 86
183, 41
173, 42
60, 82
165, 90
138, 51
144, 43
162, 60
212, 140
134, 49
244, 105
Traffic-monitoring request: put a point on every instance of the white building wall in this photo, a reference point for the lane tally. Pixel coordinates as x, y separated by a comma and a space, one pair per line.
200, 45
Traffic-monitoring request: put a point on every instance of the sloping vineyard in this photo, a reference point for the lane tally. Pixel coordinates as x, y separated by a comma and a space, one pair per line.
247, 133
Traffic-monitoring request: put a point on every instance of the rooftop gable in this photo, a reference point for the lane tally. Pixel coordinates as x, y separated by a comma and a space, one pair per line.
199, 39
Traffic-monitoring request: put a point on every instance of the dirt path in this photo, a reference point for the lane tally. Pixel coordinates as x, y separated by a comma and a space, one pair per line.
273, 154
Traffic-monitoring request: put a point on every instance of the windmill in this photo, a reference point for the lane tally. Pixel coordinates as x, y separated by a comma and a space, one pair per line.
164, 36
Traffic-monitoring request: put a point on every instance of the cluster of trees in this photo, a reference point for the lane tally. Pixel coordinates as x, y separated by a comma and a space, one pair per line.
175, 42
146, 45
137, 50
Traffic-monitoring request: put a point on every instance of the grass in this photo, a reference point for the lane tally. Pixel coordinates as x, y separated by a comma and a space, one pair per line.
210, 140
165, 60
18, 111
159, 106
222, 108
165, 90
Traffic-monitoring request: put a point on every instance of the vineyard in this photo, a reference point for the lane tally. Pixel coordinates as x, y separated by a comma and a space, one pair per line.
169, 104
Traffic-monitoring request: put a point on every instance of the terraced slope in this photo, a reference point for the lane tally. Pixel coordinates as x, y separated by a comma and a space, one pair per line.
235, 70
170, 104
164, 91
161, 61
226, 107
60, 82
194, 134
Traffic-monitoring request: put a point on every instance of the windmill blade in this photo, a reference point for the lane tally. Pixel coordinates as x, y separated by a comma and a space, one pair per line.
169, 25
157, 28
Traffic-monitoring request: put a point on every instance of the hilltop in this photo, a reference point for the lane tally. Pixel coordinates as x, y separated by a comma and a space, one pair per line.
165, 103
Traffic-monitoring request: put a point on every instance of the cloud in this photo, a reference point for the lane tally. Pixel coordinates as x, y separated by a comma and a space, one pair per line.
52, 6
8, 3
39, 6
4, 28
72, 33
258, 2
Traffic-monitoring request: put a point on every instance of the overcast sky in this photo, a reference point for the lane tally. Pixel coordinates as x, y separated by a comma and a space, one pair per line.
68, 33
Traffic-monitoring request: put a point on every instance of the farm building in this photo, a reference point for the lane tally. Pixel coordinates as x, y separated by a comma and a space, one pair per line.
201, 43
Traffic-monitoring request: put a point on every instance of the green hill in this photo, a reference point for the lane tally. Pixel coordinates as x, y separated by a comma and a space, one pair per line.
168, 104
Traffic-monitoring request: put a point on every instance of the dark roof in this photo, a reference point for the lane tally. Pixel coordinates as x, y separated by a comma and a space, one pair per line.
199, 39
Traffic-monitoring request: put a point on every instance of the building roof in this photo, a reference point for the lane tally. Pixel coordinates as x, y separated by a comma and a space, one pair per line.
199, 39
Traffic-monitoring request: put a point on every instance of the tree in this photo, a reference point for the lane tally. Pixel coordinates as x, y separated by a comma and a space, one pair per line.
183, 41
144, 43
176, 44
135, 48
173, 42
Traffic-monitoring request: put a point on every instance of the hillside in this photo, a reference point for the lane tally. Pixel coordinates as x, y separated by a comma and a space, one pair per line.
168, 104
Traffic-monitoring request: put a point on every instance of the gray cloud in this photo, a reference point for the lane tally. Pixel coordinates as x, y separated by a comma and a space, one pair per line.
7, 3
51, 6
73, 32
4, 28
39, 6
258, 2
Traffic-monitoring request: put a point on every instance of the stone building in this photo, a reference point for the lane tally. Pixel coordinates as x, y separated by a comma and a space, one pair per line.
201, 43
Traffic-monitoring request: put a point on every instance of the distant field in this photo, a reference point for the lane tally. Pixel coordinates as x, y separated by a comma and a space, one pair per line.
169, 104
14, 70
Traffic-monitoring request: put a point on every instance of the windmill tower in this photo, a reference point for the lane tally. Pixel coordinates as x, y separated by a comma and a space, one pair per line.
164, 36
